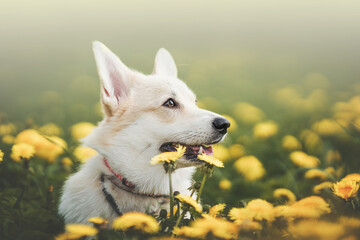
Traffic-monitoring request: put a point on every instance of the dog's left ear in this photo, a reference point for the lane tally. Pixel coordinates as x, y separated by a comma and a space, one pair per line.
164, 64
114, 78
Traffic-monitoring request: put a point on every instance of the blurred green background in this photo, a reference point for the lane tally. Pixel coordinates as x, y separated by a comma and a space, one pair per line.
294, 63
229, 50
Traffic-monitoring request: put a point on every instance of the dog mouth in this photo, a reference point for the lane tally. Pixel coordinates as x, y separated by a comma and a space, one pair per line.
192, 151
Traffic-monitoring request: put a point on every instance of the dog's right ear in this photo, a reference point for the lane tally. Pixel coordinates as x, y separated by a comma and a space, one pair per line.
114, 78
164, 64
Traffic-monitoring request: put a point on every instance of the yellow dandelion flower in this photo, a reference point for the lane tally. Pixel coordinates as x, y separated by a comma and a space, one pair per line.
291, 143
316, 229
66, 161
202, 227
257, 209
98, 220
225, 184
328, 127
22, 150
81, 230
340, 171
7, 129
15, 157
282, 211
233, 125
357, 123
68, 236
81, 130
218, 227
249, 225
190, 201
262, 210
302, 159
314, 202
286, 96
350, 237
345, 189
344, 118
84, 153
332, 156
8, 139
221, 152
236, 151
283, 193
211, 160
322, 186
342, 107
190, 232
29, 136
248, 113
238, 215
216, 209
1, 156
50, 129
355, 102
309, 207
244, 218
265, 130
316, 174
250, 167
331, 171
50, 148
138, 221
312, 141
349, 222
353, 177
169, 156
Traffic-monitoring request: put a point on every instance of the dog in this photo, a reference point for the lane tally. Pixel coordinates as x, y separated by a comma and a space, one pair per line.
144, 115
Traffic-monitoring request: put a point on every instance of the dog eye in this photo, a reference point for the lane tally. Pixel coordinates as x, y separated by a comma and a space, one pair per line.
170, 103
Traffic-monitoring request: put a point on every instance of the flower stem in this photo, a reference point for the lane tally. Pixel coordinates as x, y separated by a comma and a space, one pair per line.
181, 216
201, 187
24, 185
171, 194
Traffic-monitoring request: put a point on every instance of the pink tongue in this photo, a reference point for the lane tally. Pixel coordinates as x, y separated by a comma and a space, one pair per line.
206, 150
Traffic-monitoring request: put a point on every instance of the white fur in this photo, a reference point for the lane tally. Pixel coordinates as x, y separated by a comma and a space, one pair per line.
135, 125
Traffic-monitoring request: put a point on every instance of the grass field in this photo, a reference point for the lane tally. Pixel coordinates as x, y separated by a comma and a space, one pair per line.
302, 140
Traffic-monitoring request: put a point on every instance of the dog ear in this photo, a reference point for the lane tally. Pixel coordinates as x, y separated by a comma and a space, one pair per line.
164, 64
114, 78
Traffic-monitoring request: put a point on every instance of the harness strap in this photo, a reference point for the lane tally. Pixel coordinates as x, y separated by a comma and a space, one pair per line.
119, 184
109, 197
118, 176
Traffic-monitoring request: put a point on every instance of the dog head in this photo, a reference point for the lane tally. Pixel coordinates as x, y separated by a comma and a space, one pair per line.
148, 114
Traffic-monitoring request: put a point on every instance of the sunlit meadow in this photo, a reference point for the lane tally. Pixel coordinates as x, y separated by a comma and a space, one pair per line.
286, 75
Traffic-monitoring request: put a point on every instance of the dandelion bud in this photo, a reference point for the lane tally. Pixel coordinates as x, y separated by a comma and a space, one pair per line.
206, 207
241, 203
197, 185
163, 213
166, 167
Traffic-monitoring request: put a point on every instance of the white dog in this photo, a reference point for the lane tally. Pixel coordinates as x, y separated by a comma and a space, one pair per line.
144, 115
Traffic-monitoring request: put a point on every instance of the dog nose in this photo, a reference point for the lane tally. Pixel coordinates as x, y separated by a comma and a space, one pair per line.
221, 125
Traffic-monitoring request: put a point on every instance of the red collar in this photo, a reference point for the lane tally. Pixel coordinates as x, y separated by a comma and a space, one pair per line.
118, 176
129, 187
